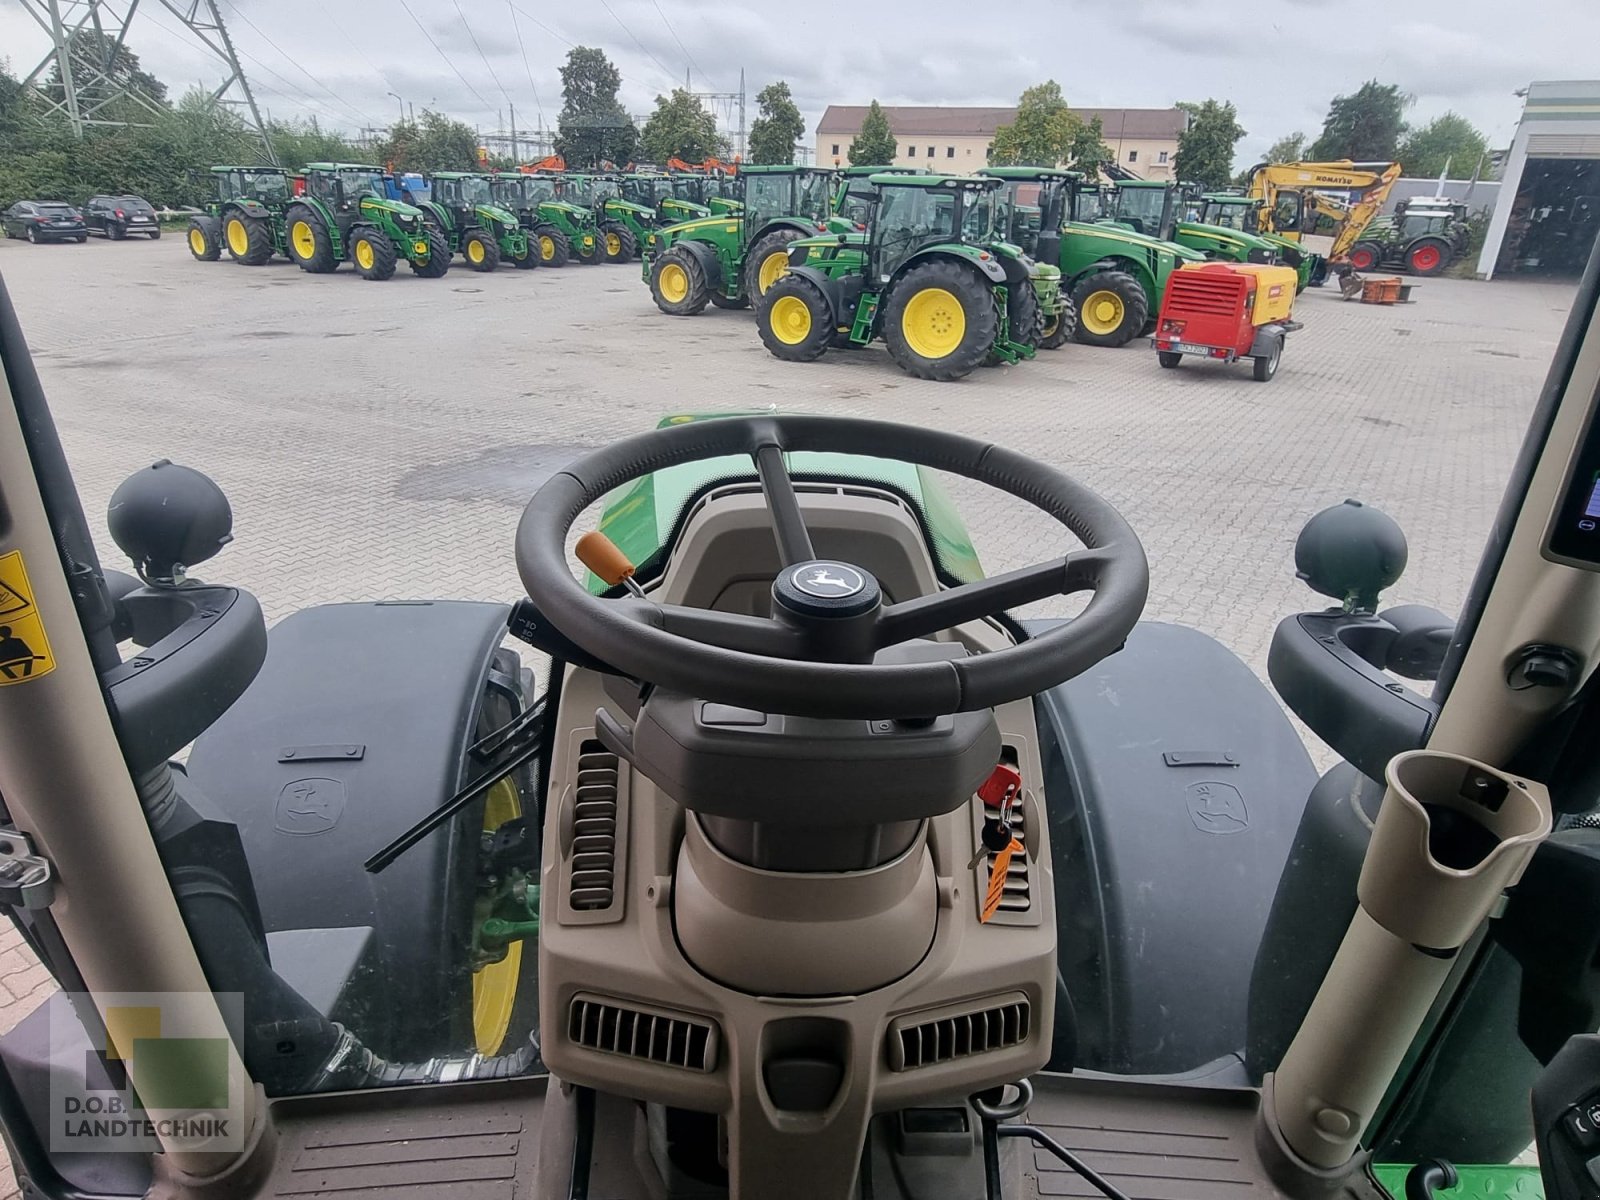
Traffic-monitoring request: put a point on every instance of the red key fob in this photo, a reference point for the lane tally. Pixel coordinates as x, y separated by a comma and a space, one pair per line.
1002, 786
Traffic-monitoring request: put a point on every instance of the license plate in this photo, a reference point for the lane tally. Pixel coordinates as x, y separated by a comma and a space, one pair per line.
1189, 348
140, 220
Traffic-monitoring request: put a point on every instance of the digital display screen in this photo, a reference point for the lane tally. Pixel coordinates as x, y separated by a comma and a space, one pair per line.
1592, 509
1574, 534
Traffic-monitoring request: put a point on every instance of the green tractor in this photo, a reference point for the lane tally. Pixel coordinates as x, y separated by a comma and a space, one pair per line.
624, 225
1155, 209
1241, 214
1115, 277
246, 217
461, 207
654, 191
560, 231
718, 193
731, 260
928, 275
345, 215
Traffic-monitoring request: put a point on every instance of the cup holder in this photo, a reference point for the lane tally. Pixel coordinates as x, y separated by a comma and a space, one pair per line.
1451, 836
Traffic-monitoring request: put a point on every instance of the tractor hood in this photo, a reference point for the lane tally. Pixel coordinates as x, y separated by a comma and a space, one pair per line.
1225, 236
1117, 233
493, 212
403, 213
628, 206
561, 206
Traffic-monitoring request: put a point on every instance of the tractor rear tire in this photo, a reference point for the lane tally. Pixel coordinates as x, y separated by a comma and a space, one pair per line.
1058, 330
940, 321
618, 243
1427, 256
721, 301
678, 285
373, 252
481, 252
551, 244
1112, 308
205, 238
1365, 256
310, 248
438, 257
794, 320
767, 262
249, 239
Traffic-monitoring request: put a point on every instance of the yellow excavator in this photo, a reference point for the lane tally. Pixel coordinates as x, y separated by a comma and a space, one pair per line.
1292, 195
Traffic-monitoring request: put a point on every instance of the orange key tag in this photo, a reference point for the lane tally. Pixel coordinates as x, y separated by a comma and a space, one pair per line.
997, 880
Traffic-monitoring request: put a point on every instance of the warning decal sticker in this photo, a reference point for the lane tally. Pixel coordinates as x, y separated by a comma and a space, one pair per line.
24, 649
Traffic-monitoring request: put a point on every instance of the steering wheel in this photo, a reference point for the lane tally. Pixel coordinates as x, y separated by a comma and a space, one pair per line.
815, 655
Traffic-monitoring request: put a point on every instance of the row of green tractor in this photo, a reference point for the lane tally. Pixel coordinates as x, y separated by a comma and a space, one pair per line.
331, 213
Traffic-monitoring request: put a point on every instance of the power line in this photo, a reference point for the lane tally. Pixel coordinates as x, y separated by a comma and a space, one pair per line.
487, 107
538, 103
679, 40
664, 69
361, 116
481, 55
543, 26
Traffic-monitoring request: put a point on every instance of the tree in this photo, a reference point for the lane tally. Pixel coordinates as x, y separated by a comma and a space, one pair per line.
1365, 126
875, 144
777, 127
1088, 151
1287, 149
681, 127
299, 142
1043, 134
433, 142
593, 127
1449, 141
1205, 148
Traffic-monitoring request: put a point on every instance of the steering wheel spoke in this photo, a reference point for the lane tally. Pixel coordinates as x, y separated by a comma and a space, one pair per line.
930, 614
731, 631
788, 525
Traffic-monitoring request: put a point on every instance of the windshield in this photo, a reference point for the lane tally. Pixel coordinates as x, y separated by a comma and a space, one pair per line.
304, 440
1142, 208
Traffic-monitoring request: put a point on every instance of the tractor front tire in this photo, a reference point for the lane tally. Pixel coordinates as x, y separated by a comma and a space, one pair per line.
249, 239
481, 251
678, 285
1365, 256
795, 321
1058, 329
310, 248
767, 262
1427, 256
527, 260
551, 245
373, 252
438, 257
1112, 308
205, 238
940, 321
592, 255
618, 243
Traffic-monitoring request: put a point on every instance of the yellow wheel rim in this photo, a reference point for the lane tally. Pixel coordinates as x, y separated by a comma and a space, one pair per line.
613, 245
547, 247
197, 241
303, 239
365, 256
773, 267
1102, 312
1051, 324
674, 282
934, 323
790, 319
475, 251
238, 236
494, 986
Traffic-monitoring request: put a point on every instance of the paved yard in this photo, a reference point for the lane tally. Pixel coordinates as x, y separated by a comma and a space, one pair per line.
380, 440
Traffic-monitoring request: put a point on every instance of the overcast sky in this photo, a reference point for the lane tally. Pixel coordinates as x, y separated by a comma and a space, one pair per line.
1279, 63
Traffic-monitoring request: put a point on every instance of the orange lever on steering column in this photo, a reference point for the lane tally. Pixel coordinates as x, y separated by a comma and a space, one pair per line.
600, 554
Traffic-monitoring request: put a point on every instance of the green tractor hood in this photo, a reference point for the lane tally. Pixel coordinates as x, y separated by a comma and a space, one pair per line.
1121, 233
1220, 236
575, 212
617, 204
493, 212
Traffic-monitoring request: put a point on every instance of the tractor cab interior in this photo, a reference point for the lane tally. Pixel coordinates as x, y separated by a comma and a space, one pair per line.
775, 857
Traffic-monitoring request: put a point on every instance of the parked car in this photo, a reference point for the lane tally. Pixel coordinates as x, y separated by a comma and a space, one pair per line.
118, 216
44, 221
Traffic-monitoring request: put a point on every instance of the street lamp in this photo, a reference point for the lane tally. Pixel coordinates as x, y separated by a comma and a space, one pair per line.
399, 101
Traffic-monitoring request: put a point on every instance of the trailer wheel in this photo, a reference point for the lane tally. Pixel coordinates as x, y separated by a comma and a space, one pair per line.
1171, 358
1364, 256
1265, 366
1427, 256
